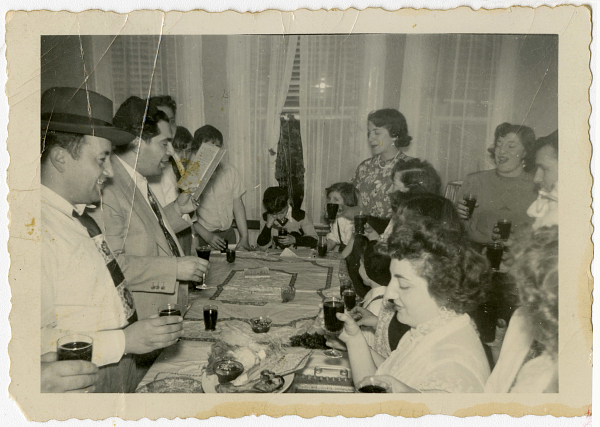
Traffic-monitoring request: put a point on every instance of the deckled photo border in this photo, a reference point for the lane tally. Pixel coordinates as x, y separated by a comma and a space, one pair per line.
23, 90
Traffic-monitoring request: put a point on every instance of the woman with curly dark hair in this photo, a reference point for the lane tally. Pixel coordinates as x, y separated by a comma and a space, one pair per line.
436, 279
505, 192
528, 360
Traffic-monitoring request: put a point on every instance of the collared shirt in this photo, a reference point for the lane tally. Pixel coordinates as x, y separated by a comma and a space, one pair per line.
215, 211
78, 293
444, 354
164, 186
142, 184
341, 227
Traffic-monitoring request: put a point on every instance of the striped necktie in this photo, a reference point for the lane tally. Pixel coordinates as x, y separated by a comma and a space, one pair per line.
168, 235
111, 263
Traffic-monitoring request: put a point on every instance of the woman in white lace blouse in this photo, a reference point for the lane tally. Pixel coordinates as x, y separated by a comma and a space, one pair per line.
436, 279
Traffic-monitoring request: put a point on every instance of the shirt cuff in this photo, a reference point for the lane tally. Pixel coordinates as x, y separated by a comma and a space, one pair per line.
109, 347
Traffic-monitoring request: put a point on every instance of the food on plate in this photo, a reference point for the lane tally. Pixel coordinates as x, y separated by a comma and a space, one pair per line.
172, 385
252, 353
260, 325
228, 370
306, 340
268, 382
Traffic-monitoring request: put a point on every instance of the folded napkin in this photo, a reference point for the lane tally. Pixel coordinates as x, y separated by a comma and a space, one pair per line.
288, 253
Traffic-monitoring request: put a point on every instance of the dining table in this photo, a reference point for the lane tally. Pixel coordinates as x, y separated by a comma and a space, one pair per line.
240, 296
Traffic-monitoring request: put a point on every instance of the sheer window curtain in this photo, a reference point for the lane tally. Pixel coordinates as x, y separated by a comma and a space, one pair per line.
151, 65
449, 103
341, 81
259, 70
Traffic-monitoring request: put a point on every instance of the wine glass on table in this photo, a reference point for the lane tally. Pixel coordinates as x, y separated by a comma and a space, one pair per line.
333, 326
204, 253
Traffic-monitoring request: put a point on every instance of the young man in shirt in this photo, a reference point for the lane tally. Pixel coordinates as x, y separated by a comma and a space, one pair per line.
83, 289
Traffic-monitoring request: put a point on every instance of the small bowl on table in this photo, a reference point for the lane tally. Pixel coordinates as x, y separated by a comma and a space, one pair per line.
261, 325
228, 370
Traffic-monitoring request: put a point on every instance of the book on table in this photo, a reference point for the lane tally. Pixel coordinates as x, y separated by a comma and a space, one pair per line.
200, 169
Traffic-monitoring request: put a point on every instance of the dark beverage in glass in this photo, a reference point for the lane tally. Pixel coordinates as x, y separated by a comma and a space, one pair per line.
372, 389
486, 319
344, 285
332, 210
322, 250
504, 228
280, 234
373, 385
169, 310
230, 255
204, 252
75, 347
349, 299
470, 200
359, 224
211, 312
332, 306
494, 255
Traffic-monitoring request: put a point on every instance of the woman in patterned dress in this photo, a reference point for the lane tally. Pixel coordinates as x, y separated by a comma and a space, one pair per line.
388, 136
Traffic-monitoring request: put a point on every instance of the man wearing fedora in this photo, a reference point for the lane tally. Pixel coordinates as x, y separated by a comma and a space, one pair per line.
139, 230
83, 290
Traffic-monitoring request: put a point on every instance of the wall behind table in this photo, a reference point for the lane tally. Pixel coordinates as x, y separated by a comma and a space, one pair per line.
62, 63
536, 85
216, 90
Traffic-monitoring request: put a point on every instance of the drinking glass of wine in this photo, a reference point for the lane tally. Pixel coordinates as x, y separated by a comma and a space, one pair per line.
204, 253
333, 326
373, 385
75, 347
470, 200
494, 253
169, 310
211, 313
332, 210
322, 246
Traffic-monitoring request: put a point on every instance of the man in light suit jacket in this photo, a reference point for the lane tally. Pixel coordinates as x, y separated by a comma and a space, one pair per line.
140, 231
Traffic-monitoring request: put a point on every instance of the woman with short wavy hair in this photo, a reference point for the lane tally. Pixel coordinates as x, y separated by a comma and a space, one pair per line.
505, 192
528, 361
387, 135
436, 279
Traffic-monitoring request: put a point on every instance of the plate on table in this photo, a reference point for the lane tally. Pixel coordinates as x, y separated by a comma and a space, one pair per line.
209, 383
172, 385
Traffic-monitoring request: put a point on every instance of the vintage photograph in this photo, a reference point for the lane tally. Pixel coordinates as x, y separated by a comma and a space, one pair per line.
283, 214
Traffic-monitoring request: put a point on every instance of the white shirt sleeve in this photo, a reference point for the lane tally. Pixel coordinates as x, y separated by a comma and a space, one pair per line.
333, 234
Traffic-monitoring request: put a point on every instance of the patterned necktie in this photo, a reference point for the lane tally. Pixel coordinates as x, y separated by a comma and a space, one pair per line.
111, 263
168, 236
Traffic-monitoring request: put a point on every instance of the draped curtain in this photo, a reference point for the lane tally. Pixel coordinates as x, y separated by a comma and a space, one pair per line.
341, 81
150, 66
259, 70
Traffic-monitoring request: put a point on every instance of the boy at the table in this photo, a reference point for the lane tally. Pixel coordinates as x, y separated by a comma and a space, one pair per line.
281, 214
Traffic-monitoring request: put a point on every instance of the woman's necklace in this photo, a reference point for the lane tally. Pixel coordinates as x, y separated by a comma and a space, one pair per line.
384, 166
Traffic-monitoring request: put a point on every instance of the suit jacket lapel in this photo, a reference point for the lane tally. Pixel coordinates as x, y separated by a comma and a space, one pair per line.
140, 206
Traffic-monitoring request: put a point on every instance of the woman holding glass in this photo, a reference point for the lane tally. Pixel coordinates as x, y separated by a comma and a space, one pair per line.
503, 193
436, 280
